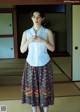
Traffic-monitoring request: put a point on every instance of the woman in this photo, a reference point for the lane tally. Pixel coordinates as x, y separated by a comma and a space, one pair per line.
37, 79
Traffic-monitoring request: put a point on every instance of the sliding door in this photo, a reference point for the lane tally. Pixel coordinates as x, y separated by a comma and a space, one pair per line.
76, 42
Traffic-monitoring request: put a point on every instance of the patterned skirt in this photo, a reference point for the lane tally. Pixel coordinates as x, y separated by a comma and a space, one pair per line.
37, 85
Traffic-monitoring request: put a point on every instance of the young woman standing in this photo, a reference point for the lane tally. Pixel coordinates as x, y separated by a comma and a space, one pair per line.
37, 79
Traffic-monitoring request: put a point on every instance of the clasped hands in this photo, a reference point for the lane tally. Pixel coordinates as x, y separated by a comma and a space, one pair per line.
35, 38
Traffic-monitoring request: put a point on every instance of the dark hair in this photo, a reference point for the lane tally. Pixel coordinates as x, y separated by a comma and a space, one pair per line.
42, 14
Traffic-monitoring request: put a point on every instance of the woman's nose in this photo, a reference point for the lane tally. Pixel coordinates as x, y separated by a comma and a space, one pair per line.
36, 18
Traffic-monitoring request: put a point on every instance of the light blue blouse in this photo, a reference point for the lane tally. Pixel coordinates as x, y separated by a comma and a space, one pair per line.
37, 51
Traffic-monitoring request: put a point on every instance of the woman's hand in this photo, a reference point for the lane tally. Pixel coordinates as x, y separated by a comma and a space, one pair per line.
38, 39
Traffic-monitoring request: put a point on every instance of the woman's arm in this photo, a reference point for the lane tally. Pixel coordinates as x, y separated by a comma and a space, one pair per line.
24, 43
50, 43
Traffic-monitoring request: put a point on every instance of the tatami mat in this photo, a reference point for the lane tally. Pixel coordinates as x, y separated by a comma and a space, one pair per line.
12, 64
60, 77
60, 90
16, 79
61, 104
77, 84
67, 95
66, 89
11, 71
64, 63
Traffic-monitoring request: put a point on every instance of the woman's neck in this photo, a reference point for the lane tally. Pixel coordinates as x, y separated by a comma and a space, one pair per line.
36, 27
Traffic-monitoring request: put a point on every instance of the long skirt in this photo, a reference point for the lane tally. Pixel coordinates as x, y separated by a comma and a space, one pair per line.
37, 85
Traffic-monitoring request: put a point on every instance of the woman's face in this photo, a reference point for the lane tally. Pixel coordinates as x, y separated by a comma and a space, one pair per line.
36, 18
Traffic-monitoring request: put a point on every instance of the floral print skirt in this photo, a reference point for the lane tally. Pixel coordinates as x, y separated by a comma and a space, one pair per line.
37, 85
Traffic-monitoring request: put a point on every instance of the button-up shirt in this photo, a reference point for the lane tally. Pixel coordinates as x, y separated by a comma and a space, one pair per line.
37, 51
